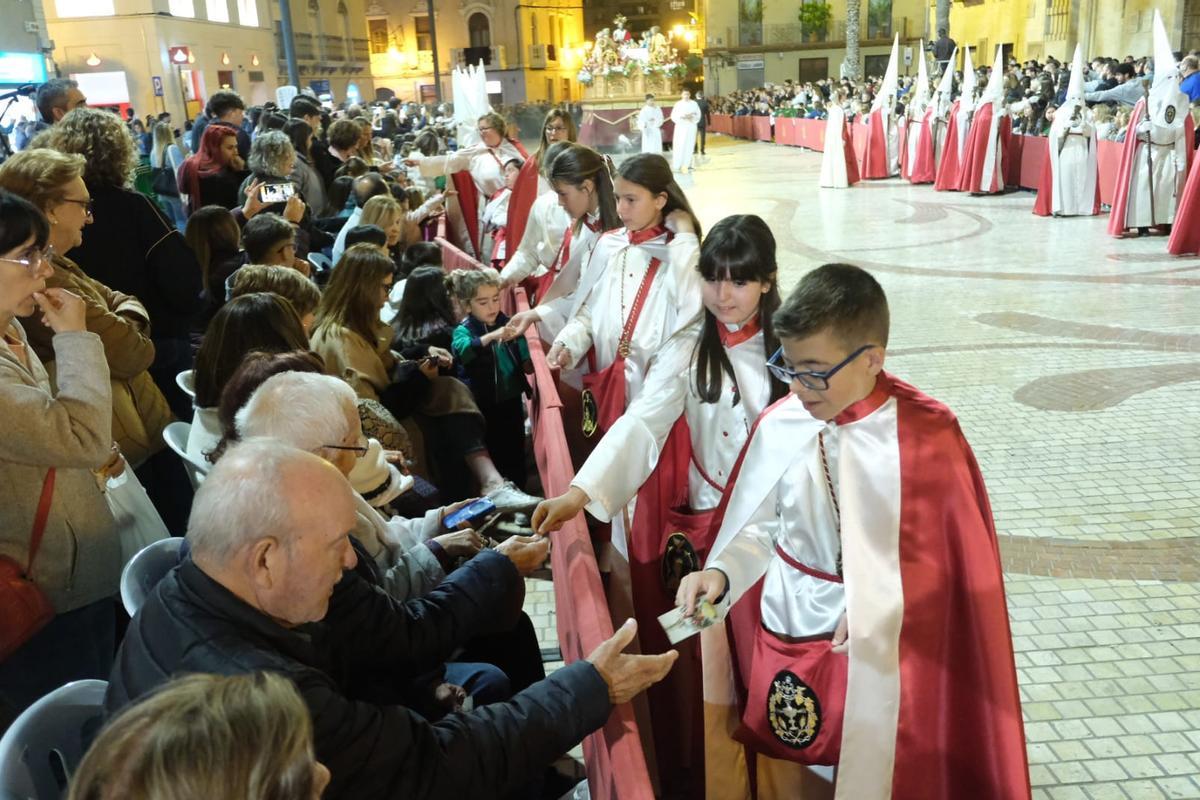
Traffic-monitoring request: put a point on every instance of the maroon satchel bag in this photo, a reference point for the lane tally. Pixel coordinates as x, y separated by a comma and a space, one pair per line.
25, 608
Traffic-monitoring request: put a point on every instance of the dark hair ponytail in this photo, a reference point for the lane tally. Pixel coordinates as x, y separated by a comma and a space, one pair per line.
738, 248
652, 172
575, 164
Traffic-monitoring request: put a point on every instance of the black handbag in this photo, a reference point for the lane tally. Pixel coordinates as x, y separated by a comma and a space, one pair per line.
163, 182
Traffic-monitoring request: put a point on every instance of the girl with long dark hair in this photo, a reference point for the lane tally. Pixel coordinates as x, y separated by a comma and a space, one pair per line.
664, 464
640, 286
584, 190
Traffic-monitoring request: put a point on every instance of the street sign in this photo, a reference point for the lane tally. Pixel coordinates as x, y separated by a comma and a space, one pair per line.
158, 85
179, 55
908, 56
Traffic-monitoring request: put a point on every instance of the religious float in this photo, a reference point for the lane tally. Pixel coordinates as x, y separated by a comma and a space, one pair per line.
617, 74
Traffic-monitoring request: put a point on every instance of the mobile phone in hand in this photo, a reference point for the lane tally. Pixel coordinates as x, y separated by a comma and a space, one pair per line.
469, 513
276, 192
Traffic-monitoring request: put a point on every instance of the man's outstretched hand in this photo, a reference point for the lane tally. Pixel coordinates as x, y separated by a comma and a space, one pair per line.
628, 675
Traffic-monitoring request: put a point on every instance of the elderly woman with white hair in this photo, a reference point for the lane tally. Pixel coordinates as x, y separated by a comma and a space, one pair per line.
318, 413
272, 161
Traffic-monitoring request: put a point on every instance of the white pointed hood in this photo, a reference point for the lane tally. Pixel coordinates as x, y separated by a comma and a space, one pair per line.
945, 87
1075, 82
1165, 67
890, 79
470, 102
967, 98
1167, 105
994, 91
920, 96
1073, 113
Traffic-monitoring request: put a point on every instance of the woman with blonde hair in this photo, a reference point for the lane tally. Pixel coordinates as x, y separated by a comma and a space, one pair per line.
53, 182
131, 246
387, 213
207, 737
356, 347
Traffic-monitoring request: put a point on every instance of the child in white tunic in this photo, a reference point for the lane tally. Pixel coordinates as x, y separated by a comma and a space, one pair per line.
584, 191
673, 449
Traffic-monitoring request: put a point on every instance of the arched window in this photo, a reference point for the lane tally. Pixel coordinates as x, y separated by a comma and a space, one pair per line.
347, 37
480, 29
316, 29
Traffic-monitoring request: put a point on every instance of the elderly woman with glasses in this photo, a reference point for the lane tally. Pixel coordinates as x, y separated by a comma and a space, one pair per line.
478, 173
52, 441
53, 182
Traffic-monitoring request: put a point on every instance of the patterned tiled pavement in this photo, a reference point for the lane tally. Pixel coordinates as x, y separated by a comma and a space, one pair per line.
1072, 360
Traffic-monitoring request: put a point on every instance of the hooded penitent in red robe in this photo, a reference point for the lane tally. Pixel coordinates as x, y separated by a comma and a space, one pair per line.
947, 171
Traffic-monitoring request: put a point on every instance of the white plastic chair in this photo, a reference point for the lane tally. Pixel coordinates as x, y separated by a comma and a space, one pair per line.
42, 749
186, 381
143, 572
176, 436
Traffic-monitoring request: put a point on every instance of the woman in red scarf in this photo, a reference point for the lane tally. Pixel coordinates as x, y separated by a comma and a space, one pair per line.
212, 176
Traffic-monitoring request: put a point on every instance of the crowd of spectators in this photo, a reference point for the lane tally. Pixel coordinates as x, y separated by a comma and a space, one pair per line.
251, 275
1033, 90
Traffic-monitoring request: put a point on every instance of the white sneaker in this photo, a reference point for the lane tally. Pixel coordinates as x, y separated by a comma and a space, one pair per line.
509, 498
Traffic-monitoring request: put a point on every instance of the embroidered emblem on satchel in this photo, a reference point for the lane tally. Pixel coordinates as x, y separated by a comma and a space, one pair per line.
591, 414
793, 711
679, 559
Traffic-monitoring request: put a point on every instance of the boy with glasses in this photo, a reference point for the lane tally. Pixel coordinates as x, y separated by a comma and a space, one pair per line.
872, 632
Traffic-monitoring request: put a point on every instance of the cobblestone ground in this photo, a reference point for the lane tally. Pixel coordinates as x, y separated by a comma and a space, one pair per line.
1073, 361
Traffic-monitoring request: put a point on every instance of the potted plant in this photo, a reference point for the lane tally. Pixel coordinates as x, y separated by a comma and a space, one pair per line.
814, 19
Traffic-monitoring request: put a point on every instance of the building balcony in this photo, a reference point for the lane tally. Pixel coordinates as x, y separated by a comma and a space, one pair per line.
759, 38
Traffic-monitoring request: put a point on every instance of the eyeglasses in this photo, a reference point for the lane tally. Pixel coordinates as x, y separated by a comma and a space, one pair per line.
33, 261
817, 381
556, 129
359, 450
87, 204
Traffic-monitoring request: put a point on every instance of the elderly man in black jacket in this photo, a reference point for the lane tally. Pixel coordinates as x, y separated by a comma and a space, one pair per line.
268, 586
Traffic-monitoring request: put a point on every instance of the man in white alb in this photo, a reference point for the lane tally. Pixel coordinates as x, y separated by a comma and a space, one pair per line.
650, 122
686, 116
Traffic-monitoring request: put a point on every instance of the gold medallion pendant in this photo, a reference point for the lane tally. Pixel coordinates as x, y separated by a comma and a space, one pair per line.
591, 414
679, 559
793, 711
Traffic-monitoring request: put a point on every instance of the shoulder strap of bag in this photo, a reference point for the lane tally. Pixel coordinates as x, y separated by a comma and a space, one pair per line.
39, 522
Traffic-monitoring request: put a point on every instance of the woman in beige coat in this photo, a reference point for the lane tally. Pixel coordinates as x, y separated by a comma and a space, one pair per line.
70, 433
356, 347
53, 181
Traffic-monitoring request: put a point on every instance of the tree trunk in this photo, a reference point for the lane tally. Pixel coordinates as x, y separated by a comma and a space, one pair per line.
853, 61
943, 17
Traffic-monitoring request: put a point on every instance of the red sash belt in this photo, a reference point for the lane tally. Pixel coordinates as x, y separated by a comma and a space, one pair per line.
604, 392
807, 570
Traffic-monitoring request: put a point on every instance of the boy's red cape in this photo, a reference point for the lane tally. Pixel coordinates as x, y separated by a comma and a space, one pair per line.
959, 732
521, 201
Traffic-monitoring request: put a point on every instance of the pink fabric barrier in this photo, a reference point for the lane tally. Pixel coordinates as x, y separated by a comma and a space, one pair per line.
453, 258
616, 766
761, 128
720, 123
